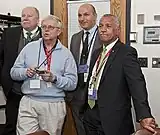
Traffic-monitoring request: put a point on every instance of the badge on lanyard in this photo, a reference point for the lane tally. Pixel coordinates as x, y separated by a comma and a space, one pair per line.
92, 94
92, 91
35, 84
49, 84
83, 68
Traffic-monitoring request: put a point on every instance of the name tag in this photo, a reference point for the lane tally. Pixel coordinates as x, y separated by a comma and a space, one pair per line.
35, 84
92, 94
83, 68
49, 84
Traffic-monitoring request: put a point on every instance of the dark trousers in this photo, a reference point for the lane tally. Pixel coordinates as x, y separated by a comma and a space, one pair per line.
11, 112
92, 121
78, 118
78, 106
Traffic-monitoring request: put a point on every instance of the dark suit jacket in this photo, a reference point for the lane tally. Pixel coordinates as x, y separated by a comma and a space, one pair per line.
122, 78
78, 94
76, 42
8, 54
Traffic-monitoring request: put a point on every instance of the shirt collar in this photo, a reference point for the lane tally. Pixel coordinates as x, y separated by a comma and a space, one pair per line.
110, 46
59, 44
92, 30
33, 32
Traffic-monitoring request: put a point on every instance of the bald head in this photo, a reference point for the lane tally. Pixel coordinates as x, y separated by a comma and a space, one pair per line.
90, 7
87, 16
30, 18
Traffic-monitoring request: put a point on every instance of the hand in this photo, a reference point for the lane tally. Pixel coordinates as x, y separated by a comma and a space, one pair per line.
149, 124
48, 76
30, 72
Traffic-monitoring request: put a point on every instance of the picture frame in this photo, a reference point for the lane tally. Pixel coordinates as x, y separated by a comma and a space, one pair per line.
151, 35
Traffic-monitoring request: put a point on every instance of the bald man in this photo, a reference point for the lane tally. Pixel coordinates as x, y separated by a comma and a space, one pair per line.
82, 46
13, 40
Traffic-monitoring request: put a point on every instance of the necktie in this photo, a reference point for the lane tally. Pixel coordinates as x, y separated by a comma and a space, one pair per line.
28, 39
83, 60
84, 54
91, 102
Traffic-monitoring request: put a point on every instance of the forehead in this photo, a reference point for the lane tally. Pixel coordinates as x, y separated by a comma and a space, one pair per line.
85, 9
49, 22
28, 11
107, 20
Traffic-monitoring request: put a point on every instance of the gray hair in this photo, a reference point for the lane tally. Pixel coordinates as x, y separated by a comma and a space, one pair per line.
115, 18
55, 19
34, 8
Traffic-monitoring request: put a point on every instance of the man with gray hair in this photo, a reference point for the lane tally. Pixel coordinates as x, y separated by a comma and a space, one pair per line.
114, 77
47, 69
13, 40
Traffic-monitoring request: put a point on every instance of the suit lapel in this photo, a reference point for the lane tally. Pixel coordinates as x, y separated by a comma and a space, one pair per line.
110, 59
77, 46
18, 32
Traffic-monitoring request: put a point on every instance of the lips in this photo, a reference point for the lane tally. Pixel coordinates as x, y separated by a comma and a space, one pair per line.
26, 22
104, 35
46, 34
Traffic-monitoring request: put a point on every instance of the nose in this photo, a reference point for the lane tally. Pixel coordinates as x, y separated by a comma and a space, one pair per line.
103, 29
25, 17
81, 18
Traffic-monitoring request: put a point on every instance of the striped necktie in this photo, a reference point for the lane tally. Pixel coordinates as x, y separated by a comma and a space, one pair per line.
28, 39
91, 102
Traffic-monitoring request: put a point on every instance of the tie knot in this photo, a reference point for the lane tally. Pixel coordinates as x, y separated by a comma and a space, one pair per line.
29, 33
87, 33
104, 49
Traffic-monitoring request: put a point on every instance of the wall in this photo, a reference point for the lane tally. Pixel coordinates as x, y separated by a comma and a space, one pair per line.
15, 7
149, 9
102, 7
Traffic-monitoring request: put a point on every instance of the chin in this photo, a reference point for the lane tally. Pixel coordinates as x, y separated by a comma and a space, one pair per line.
85, 27
26, 27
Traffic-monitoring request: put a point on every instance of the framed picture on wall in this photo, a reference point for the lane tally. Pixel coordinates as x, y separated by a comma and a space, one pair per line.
151, 35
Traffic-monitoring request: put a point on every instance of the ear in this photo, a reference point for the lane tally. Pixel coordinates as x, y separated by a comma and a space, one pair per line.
118, 31
59, 31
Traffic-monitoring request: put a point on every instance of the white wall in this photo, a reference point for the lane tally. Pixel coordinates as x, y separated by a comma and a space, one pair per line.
15, 6
102, 7
149, 8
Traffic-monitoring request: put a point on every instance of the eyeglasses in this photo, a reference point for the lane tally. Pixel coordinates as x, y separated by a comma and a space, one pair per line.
49, 27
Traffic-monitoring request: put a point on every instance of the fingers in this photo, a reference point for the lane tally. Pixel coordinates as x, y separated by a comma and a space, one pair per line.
149, 124
150, 128
48, 76
30, 72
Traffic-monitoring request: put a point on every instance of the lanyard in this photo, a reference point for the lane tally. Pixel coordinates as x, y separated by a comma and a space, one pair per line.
98, 65
46, 60
48, 56
90, 44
